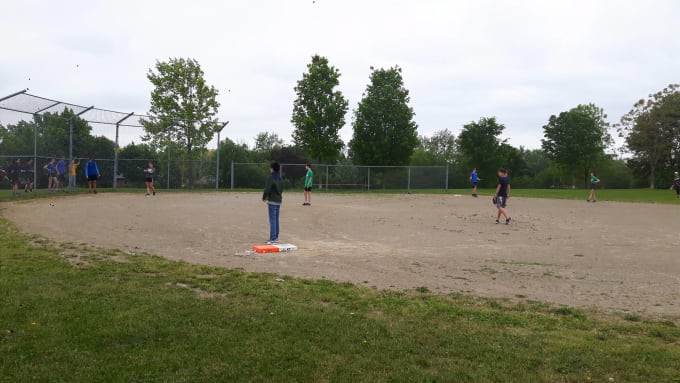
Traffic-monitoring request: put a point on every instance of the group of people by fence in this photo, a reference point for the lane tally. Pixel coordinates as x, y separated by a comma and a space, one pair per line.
60, 176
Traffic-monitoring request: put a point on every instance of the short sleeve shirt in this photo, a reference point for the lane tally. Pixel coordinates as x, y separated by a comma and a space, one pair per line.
503, 182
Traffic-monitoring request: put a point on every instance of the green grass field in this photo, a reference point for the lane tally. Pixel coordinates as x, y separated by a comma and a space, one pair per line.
70, 313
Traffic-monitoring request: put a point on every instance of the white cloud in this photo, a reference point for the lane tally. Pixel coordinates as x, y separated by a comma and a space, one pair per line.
520, 61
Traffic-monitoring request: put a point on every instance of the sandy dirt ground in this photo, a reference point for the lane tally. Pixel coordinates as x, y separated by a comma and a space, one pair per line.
613, 256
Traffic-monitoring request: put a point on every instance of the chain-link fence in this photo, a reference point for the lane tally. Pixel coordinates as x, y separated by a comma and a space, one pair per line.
172, 174
38, 130
344, 177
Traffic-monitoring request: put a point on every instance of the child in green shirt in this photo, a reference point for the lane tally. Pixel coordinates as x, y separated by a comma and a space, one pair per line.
309, 178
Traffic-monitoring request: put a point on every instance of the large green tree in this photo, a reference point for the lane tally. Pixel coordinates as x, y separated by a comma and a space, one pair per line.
438, 149
183, 108
384, 130
480, 146
52, 133
652, 133
319, 111
266, 142
576, 140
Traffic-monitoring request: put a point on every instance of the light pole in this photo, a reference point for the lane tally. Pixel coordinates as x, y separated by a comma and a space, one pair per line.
217, 163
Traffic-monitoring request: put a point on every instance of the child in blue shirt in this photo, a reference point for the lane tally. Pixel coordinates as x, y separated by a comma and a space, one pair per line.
92, 174
474, 178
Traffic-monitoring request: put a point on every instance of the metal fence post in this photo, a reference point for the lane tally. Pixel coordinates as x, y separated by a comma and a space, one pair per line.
408, 185
168, 181
70, 132
115, 160
326, 177
35, 153
368, 184
116, 148
217, 162
232, 175
217, 171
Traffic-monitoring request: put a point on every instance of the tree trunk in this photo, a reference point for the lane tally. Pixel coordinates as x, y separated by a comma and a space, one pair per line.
652, 177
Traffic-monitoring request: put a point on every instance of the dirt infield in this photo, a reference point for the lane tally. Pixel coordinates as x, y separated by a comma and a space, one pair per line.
608, 255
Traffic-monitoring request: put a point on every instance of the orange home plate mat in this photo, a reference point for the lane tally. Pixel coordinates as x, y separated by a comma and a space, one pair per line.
274, 248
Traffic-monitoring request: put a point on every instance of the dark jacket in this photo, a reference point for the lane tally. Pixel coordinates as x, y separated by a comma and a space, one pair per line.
273, 189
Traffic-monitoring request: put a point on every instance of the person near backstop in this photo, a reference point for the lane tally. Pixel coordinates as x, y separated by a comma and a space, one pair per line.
91, 174
72, 175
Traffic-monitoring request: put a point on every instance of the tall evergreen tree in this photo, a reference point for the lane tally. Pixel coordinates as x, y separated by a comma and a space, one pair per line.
384, 130
319, 111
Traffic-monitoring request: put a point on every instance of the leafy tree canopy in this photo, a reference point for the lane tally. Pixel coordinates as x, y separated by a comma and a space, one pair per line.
319, 111
384, 130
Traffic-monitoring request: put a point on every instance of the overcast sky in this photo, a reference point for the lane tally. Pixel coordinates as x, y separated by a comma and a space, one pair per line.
520, 61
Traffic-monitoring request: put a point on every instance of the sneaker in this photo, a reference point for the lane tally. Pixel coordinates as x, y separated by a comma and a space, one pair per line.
474, 195
507, 221
154, 192
147, 194
274, 242
95, 192
497, 222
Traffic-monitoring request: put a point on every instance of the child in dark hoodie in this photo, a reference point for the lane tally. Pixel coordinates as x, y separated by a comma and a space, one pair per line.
273, 196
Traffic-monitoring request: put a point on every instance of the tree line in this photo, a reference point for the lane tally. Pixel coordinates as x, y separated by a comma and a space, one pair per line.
183, 120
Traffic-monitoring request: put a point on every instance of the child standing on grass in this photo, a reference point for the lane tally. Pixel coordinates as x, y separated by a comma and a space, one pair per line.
148, 179
28, 176
502, 195
61, 173
474, 179
676, 184
309, 179
51, 168
92, 174
14, 173
273, 197
593, 186
72, 175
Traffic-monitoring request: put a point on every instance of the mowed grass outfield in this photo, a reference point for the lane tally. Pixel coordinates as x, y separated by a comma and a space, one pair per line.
71, 313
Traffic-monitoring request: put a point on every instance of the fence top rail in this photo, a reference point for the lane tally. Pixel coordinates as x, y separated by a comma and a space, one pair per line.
26, 103
349, 165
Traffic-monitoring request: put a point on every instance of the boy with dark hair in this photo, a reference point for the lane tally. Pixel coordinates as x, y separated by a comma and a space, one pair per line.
14, 173
51, 168
61, 173
676, 184
72, 175
593, 186
309, 180
474, 179
148, 178
28, 172
92, 174
273, 197
502, 194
